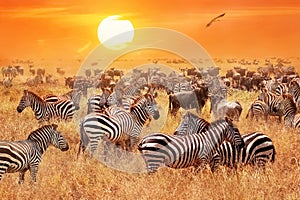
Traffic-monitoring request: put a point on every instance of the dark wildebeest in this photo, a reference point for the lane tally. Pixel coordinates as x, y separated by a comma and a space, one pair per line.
188, 100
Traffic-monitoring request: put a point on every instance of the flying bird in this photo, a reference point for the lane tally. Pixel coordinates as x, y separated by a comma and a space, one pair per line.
214, 19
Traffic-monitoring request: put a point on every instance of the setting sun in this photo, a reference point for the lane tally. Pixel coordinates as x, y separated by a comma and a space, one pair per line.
115, 33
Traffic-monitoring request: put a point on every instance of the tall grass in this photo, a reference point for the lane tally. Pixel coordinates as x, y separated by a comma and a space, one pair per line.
62, 176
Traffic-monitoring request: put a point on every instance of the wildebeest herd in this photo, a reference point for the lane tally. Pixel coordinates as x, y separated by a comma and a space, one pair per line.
125, 104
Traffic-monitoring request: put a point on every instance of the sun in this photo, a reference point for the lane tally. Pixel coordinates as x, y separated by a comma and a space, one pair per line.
115, 32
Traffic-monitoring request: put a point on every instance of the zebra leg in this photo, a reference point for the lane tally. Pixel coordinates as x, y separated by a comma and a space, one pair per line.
21, 176
3, 169
33, 172
133, 142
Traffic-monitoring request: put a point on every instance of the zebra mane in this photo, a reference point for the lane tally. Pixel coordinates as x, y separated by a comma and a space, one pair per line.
220, 121
33, 94
33, 134
290, 98
137, 100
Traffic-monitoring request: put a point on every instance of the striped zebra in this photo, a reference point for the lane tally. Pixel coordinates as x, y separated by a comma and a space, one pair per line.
190, 124
190, 150
258, 150
281, 89
272, 100
294, 89
63, 109
258, 109
98, 102
289, 109
24, 155
73, 95
116, 123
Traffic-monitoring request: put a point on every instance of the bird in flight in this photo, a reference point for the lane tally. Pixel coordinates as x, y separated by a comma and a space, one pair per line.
214, 19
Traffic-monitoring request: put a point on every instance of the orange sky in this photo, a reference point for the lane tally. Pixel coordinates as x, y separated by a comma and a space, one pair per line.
59, 29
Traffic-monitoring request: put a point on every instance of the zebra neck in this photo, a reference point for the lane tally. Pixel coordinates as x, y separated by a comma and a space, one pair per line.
139, 114
289, 118
37, 105
213, 139
41, 145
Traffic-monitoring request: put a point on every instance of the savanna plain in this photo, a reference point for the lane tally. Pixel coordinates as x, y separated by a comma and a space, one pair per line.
63, 175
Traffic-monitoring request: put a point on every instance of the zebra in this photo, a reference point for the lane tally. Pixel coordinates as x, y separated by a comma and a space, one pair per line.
116, 123
258, 109
272, 100
98, 102
74, 95
294, 89
190, 124
289, 109
20, 156
195, 150
258, 150
63, 109
281, 89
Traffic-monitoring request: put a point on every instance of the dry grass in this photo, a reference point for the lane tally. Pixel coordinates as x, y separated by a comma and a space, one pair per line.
63, 176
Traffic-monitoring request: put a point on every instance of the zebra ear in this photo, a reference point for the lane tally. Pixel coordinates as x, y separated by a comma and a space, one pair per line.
228, 120
264, 90
54, 126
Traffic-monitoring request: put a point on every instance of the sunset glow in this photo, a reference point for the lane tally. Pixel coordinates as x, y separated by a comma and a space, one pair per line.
115, 33
60, 29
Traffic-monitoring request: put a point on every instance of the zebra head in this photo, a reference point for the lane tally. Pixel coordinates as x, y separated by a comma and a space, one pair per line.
232, 134
151, 105
57, 140
24, 102
191, 124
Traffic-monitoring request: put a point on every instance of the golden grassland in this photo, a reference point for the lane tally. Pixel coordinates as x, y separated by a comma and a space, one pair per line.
62, 176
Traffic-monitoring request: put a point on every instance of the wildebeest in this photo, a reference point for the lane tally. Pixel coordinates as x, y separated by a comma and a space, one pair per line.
188, 100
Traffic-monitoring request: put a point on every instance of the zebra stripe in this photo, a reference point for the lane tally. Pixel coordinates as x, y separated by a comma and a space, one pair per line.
63, 109
281, 89
24, 155
190, 150
294, 89
97, 103
116, 123
289, 109
190, 124
73, 95
272, 100
258, 109
258, 150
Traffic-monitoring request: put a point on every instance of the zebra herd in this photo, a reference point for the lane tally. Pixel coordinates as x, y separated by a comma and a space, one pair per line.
119, 117
281, 101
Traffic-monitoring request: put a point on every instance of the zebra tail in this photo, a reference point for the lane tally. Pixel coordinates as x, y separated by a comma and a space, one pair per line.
84, 140
273, 157
249, 110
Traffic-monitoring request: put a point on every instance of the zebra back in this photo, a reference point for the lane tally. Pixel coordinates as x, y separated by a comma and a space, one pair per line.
258, 150
190, 150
